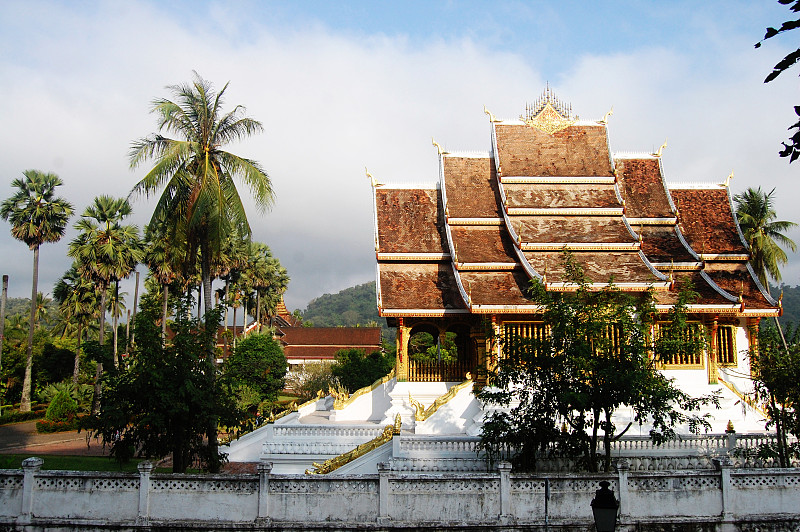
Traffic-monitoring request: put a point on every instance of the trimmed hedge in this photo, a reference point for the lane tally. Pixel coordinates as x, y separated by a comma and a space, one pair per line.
15, 416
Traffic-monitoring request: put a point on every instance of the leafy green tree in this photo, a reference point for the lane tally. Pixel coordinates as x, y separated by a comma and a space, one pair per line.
596, 357
37, 216
259, 363
78, 306
776, 371
164, 401
355, 369
267, 278
791, 150
765, 235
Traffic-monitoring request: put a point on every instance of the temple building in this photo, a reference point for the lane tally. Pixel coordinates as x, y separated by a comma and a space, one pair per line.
461, 254
455, 261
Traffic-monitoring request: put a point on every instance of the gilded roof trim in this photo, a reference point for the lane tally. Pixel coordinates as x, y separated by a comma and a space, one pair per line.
485, 266
414, 257
652, 221
565, 211
630, 287
579, 246
421, 312
556, 180
724, 256
678, 266
473, 221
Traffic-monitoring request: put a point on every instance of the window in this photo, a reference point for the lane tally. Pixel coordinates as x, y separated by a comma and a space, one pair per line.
726, 346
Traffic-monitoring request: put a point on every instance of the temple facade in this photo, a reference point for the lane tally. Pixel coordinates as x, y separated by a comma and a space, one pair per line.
459, 257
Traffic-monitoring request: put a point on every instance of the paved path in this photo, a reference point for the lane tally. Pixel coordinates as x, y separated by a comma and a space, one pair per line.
22, 438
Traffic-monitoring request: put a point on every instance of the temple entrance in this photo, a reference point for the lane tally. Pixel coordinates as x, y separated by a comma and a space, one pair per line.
436, 355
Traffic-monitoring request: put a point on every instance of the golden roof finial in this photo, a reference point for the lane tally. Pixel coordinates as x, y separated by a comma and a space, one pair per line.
661, 149
728, 180
607, 115
438, 147
641, 233
491, 116
372, 180
780, 300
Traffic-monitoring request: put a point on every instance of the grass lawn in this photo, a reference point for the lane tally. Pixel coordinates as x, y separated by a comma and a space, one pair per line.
70, 463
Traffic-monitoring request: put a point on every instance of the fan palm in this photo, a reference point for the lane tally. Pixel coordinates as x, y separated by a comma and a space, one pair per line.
36, 216
77, 301
197, 176
106, 251
266, 276
756, 215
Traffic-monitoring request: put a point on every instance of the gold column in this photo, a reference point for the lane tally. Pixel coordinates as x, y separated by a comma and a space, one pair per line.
401, 364
752, 337
478, 342
713, 373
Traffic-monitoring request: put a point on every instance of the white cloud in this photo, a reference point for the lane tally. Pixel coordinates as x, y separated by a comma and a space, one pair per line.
78, 93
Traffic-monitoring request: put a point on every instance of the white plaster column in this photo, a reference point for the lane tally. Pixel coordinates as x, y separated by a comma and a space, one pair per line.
264, 469
504, 468
384, 468
724, 466
623, 467
145, 469
30, 466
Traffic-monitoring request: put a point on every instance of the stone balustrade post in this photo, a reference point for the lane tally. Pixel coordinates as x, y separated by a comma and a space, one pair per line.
264, 470
145, 469
623, 467
504, 468
30, 467
724, 466
384, 514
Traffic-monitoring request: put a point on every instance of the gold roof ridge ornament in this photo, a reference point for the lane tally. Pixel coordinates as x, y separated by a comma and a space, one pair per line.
660, 149
489, 113
607, 115
441, 150
372, 180
548, 113
728, 180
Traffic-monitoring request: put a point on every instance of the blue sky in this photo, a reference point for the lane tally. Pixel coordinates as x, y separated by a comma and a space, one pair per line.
341, 86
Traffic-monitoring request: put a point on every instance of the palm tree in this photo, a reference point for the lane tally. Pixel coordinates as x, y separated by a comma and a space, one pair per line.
36, 216
197, 176
267, 277
77, 302
106, 252
162, 261
756, 215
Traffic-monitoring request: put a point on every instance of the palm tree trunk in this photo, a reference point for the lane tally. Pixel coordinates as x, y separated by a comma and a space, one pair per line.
211, 430
164, 305
258, 309
25, 403
114, 317
135, 305
101, 337
76, 369
3, 298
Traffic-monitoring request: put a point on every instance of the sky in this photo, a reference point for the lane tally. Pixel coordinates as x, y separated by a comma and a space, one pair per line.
341, 87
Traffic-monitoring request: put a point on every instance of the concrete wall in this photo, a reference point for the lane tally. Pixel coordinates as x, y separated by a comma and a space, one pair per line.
723, 499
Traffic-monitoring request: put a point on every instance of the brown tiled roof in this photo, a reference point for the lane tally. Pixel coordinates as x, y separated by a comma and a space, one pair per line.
333, 336
706, 220
707, 294
642, 188
574, 151
409, 221
735, 279
483, 244
625, 267
471, 187
584, 229
496, 288
414, 285
660, 243
544, 196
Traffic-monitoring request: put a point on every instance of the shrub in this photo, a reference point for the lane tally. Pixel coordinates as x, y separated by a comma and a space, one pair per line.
15, 416
62, 408
47, 426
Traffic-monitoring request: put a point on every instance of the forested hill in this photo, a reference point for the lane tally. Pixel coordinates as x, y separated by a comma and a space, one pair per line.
350, 307
791, 303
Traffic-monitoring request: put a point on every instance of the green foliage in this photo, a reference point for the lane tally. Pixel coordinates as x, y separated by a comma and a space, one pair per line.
62, 408
54, 364
568, 384
308, 379
258, 362
166, 399
355, 369
15, 416
424, 348
80, 393
776, 367
350, 307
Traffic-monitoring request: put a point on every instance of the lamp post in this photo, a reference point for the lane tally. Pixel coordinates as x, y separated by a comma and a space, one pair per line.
604, 508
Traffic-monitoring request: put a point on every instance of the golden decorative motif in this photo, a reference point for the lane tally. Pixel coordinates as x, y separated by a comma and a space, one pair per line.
661, 149
342, 400
607, 115
338, 461
728, 180
421, 413
548, 113
438, 147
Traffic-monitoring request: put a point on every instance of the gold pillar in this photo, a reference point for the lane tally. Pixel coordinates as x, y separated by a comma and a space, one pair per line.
752, 337
401, 365
713, 373
478, 342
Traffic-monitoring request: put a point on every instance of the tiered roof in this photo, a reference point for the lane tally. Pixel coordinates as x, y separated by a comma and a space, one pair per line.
496, 220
